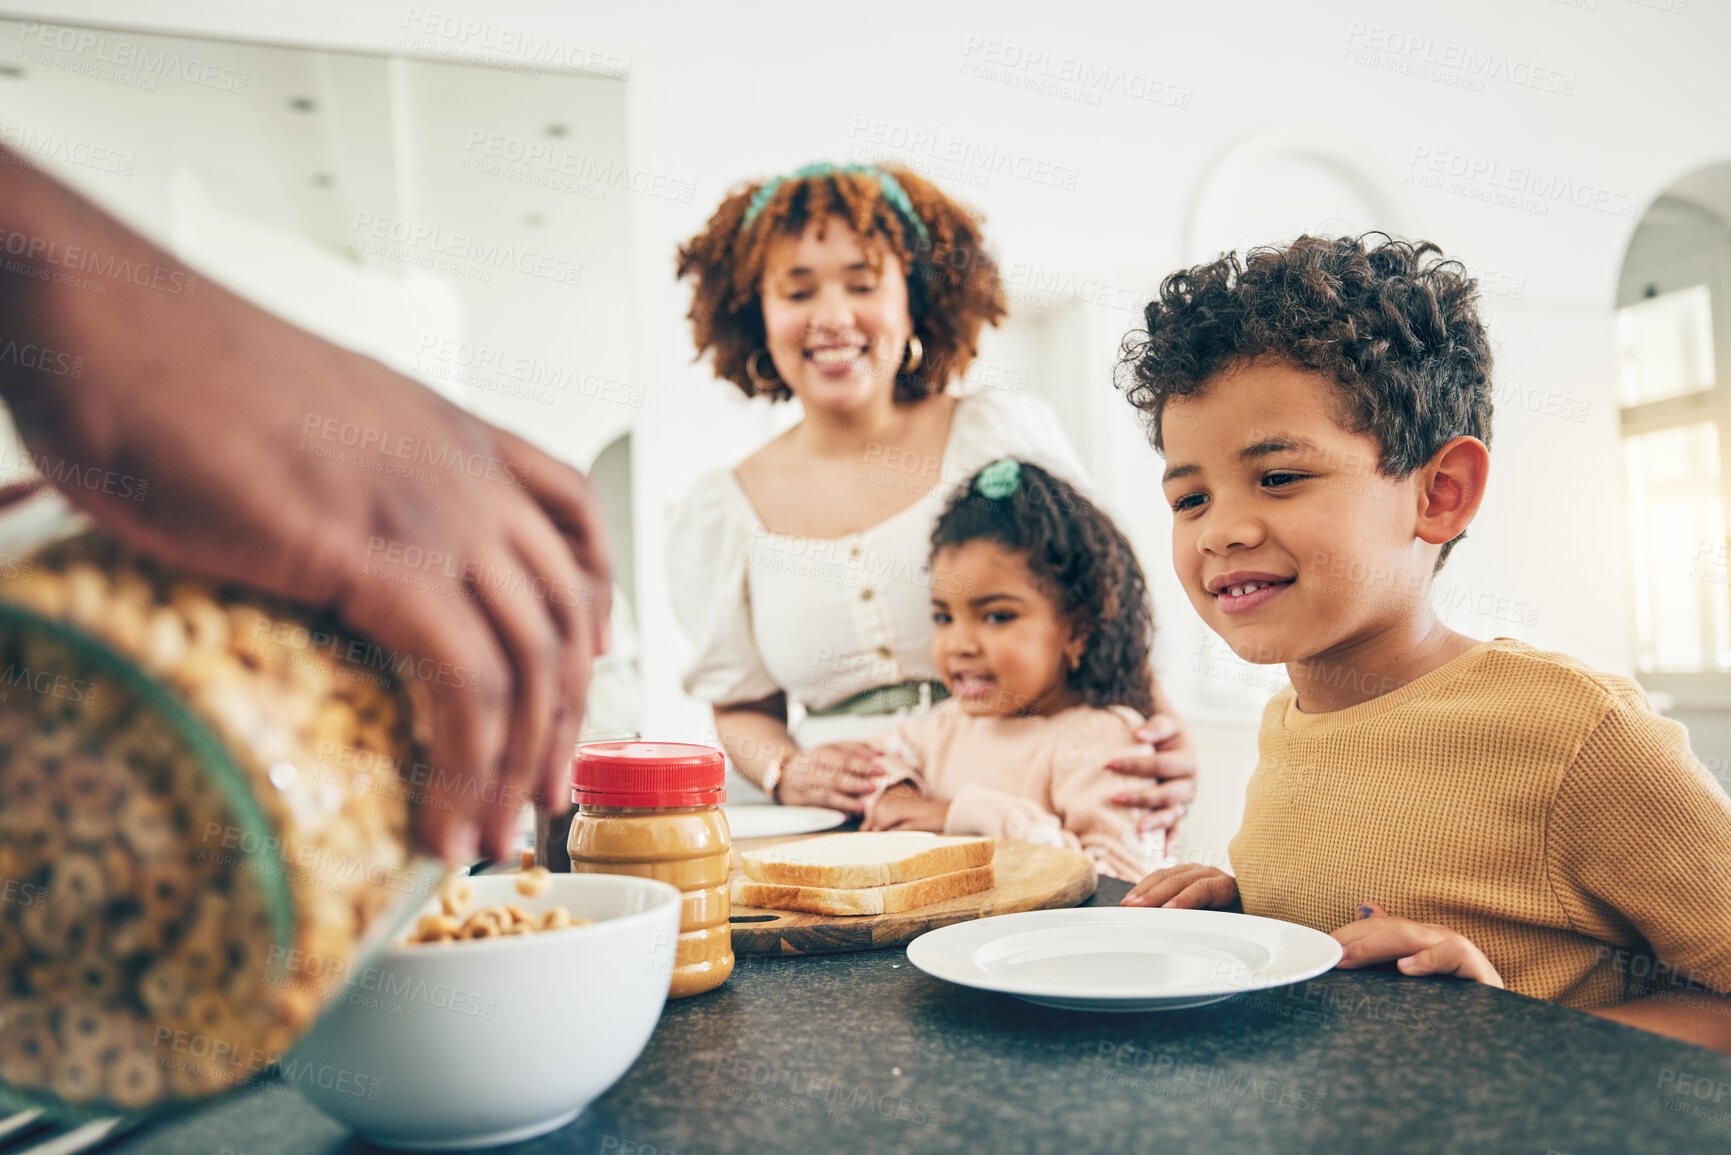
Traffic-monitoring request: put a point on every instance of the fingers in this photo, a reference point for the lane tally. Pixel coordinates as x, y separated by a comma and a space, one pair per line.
1380, 939
1205, 894
1185, 887
1136, 765
1166, 819
1160, 728
1456, 956
1420, 948
848, 750
842, 773
543, 554
531, 644
466, 714
567, 498
1164, 765
1417, 948
1178, 792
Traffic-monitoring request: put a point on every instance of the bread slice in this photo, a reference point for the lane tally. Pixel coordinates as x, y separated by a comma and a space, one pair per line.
890, 899
877, 858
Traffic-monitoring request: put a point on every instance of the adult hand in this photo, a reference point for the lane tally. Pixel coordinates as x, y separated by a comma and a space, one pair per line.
1172, 766
273, 458
1190, 886
838, 775
1417, 948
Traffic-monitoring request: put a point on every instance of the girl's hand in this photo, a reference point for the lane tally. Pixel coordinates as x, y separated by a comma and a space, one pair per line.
838, 775
1417, 948
1187, 887
905, 808
1172, 766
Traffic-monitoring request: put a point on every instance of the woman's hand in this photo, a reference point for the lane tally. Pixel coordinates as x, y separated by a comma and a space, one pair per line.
1191, 886
1173, 767
839, 775
902, 807
1417, 948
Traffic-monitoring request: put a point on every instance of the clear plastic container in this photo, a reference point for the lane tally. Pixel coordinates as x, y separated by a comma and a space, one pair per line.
203, 828
653, 809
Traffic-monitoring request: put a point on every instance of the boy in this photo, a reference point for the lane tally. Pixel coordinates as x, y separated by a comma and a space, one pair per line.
1481, 809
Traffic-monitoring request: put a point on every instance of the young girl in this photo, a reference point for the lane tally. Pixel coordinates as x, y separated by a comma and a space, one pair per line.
1042, 635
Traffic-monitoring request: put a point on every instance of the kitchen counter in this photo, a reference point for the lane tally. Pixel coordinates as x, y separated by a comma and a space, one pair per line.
862, 1052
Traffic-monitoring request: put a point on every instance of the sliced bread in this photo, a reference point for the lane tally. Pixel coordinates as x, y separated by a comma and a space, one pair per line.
876, 858
863, 900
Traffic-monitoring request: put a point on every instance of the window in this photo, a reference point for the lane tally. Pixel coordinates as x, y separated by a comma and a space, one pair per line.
1672, 325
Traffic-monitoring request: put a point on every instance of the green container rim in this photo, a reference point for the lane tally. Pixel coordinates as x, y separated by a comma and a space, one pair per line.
235, 789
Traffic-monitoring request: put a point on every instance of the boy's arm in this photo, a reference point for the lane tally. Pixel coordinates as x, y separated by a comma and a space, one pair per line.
1698, 1017
1641, 838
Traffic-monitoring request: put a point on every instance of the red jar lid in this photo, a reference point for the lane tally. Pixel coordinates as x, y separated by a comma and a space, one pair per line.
647, 774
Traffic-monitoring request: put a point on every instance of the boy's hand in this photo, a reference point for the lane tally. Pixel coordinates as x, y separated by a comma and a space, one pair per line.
1186, 887
902, 807
1418, 948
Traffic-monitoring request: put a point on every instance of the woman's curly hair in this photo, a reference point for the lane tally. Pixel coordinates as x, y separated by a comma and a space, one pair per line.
1394, 325
1078, 556
953, 283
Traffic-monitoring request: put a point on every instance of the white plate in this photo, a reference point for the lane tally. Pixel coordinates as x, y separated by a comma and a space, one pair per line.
775, 821
1124, 958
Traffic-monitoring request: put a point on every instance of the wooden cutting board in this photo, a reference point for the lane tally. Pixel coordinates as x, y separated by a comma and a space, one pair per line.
1028, 877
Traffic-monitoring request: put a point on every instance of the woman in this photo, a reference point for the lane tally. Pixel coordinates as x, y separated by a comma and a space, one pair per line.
800, 574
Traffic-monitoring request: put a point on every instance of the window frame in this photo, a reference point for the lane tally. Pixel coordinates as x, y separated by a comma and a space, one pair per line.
1711, 266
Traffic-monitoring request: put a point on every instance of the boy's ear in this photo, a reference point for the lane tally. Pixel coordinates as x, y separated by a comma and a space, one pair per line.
1453, 487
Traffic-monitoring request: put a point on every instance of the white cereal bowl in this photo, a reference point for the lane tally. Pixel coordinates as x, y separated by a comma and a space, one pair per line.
475, 1044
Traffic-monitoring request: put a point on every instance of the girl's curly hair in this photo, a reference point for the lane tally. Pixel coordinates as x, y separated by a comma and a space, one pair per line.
1394, 326
953, 283
1078, 556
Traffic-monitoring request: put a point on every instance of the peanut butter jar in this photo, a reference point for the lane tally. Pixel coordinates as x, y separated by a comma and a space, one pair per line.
653, 809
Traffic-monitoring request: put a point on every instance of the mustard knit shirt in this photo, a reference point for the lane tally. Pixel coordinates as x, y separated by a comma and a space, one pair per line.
1520, 798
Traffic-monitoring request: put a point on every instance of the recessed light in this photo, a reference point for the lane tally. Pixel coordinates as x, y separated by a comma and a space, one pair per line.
556, 130
302, 104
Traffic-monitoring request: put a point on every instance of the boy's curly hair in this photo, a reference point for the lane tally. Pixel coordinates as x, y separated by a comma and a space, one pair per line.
1078, 556
953, 283
1393, 324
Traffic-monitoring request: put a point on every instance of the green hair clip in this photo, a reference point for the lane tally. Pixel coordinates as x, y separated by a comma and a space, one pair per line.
999, 479
892, 190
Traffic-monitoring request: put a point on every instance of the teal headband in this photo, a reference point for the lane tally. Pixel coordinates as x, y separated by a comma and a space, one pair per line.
892, 190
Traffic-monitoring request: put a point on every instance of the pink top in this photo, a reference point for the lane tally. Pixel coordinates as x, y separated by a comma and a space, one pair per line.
1033, 779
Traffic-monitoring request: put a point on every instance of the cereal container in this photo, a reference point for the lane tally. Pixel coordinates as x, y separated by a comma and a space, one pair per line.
202, 826
653, 809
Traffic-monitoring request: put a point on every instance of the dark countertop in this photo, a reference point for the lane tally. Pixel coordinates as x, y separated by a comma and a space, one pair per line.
862, 1052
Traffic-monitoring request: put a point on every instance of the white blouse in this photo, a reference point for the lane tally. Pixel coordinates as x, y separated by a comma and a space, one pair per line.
824, 619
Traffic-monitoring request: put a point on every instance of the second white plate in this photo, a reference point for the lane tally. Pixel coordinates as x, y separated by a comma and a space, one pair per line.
1124, 958
776, 821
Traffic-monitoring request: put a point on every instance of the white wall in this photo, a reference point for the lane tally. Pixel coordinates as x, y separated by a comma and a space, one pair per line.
718, 93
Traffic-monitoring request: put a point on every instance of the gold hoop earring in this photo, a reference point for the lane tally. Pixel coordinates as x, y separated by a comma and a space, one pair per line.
762, 383
916, 354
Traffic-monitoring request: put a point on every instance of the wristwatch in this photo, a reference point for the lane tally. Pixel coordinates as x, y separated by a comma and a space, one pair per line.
772, 778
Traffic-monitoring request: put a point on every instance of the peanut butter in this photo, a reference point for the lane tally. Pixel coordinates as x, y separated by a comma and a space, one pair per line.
630, 820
